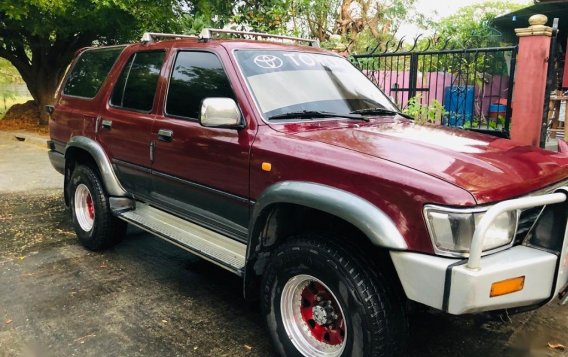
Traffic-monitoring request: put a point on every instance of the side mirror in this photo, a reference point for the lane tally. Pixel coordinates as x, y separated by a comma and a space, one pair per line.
220, 113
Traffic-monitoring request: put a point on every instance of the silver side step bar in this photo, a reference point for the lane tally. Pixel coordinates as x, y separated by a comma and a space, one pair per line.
212, 246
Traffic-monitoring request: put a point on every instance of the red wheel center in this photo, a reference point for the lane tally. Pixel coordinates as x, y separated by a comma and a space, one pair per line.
90, 207
321, 313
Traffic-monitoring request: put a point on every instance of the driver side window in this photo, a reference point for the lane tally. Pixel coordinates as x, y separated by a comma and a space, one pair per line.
195, 76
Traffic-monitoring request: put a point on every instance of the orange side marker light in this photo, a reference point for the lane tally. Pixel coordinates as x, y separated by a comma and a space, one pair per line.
508, 286
266, 166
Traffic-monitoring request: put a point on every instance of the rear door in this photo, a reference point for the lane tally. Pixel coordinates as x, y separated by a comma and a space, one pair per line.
201, 173
125, 123
78, 102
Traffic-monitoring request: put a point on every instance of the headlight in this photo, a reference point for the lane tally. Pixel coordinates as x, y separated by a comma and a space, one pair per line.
451, 230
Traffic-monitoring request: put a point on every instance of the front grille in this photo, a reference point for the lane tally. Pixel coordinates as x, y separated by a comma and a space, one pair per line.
526, 221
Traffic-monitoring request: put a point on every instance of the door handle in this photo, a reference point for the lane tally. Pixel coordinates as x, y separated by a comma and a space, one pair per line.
165, 135
106, 123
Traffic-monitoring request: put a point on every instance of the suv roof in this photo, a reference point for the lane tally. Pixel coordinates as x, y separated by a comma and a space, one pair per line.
238, 40
209, 33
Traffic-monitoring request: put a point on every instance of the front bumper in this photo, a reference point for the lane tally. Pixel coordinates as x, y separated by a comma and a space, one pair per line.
463, 286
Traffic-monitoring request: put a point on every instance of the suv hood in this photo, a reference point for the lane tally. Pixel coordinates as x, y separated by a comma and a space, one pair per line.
490, 168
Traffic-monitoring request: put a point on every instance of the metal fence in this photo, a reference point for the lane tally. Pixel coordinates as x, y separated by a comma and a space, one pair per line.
553, 82
466, 88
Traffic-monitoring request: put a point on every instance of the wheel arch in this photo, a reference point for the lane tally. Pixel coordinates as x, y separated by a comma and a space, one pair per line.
81, 149
279, 207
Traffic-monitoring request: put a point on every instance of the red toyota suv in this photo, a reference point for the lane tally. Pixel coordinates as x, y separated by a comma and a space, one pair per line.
286, 166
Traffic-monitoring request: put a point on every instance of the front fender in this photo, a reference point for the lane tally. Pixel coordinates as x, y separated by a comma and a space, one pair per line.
368, 218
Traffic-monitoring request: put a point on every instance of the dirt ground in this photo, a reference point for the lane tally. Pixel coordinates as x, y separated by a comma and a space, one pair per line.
146, 297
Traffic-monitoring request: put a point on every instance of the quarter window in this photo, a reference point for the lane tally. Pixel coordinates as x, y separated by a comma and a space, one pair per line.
136, 86
195, 76
90, 71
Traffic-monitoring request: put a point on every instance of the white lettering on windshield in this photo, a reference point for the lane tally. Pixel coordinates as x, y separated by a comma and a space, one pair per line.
269, 61
307, 59
291, 56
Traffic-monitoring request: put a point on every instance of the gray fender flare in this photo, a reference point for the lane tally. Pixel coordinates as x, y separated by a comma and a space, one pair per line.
110, 181
368, 218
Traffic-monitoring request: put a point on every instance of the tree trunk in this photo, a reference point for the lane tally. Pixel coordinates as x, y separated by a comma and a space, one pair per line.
42, 87
344, 17
46, 67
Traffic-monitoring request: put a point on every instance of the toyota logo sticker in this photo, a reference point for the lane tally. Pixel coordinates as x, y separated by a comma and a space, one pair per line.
268, 61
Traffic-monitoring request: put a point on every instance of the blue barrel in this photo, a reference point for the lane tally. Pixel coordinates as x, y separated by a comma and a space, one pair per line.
458, 102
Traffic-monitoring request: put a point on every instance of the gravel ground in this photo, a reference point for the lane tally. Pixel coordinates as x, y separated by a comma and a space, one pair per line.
146, 298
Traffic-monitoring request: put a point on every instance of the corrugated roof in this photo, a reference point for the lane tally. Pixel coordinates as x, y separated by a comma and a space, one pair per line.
506, 24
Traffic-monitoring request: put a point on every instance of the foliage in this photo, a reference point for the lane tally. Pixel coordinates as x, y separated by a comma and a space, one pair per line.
425, 113
8, 74
471, 26
7, 99
205, 13
40, 37
485, 123
337, 24
263, 16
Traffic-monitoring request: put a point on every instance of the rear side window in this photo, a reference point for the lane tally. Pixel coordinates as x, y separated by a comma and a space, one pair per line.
195, 76
136, 86
90, 71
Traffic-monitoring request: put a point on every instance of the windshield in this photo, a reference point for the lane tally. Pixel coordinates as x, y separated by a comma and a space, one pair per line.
285, 81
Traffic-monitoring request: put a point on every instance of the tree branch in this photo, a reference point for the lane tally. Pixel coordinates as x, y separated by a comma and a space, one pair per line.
22, 66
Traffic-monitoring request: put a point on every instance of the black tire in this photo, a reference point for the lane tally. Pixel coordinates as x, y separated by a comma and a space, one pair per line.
106, 230
374, 313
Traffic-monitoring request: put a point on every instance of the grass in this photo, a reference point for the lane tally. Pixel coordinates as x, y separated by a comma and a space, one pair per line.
6, 101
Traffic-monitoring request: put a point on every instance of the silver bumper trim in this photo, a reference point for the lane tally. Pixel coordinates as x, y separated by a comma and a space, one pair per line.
457, 288
424, 279
474, 261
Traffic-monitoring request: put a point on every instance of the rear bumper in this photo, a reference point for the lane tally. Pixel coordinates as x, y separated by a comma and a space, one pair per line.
464, 286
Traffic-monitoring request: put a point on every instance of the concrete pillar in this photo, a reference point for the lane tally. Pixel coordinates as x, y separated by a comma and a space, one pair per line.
530, 81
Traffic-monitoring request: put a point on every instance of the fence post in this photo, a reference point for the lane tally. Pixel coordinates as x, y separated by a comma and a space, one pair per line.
530, 81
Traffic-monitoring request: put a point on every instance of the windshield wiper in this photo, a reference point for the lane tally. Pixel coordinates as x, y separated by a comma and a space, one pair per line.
316, 114
380, 111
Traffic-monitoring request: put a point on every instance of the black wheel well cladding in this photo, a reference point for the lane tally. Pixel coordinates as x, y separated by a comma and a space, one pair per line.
281, 221
74, 157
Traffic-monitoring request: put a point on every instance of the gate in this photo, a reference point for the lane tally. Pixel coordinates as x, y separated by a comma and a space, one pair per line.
465, 88
553, 82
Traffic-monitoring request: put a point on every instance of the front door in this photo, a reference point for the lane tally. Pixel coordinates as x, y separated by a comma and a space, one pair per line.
125, 124
201, 173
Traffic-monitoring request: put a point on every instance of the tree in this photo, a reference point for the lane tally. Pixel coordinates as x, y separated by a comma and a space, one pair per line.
270, 16
40, 38
471, 26
347, 23
355, 23
206, 13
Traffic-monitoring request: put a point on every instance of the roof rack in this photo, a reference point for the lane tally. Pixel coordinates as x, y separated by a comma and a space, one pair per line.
207, 33
154, 36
